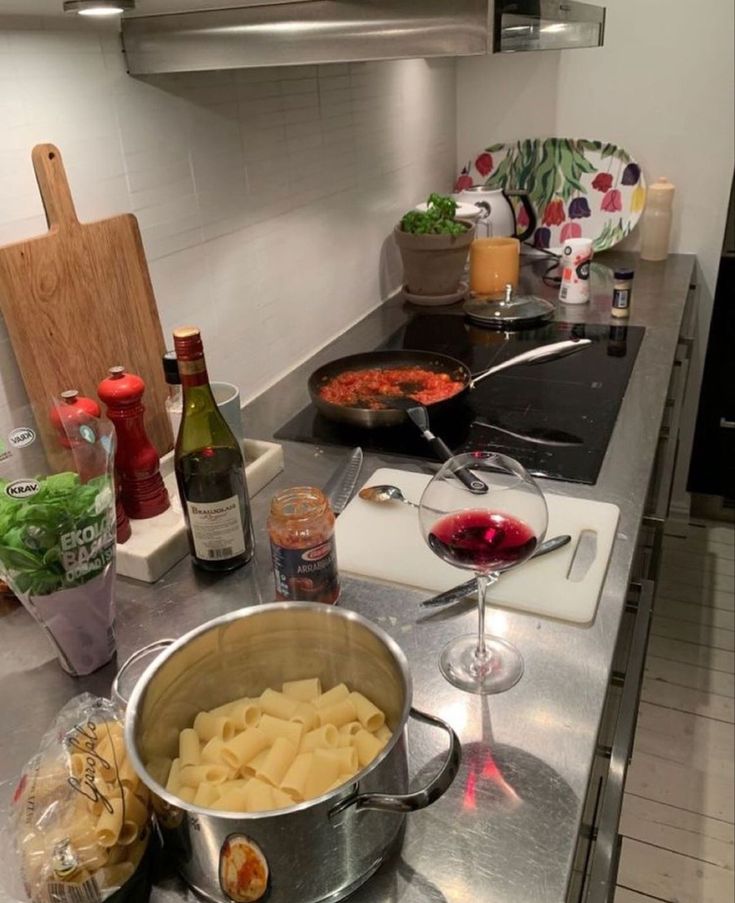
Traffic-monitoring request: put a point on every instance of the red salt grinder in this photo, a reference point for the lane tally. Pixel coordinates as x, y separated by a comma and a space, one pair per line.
68, 416
136, 460
74, 412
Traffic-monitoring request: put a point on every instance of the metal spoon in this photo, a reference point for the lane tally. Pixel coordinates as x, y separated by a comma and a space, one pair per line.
385, 494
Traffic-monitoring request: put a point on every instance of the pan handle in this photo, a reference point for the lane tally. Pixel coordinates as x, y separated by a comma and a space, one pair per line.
463, 474
410, 802
535, 356
419, 416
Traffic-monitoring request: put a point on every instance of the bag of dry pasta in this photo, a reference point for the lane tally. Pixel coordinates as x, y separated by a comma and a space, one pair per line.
81, 816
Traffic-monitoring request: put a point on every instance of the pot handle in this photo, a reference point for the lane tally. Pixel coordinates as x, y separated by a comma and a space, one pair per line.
535, 356
116, 694
410, 802
529, 208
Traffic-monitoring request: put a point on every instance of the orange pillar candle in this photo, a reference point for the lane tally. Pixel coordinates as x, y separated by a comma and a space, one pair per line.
494, 263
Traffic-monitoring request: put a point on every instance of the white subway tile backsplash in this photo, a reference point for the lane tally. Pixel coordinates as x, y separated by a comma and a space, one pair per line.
253, 76
329, 69
296, 73
162, 192
20, 229
265, 197
157, 174
167, 238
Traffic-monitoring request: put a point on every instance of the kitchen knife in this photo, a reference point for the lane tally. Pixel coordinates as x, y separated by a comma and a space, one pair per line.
458, 592
341, 484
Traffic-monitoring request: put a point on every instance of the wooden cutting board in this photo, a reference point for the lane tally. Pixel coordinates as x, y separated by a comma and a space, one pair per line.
384, 542
79, 300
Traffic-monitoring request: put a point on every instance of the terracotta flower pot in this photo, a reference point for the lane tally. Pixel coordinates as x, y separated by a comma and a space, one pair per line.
434, 264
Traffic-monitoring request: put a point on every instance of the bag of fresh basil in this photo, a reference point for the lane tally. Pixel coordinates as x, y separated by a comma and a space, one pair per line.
57, 530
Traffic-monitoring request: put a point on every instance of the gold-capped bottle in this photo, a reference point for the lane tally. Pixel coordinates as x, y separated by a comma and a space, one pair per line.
210, 469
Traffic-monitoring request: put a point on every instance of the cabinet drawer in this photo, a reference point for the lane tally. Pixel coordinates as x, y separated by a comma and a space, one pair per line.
595, 864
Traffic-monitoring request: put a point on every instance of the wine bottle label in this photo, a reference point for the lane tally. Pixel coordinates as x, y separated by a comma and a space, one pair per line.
306, 575
216, 529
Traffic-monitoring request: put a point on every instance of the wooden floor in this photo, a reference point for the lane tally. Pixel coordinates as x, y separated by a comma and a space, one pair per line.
677, 821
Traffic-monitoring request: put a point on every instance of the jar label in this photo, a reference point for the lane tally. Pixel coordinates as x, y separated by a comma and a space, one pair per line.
621, 298
216, 529
306, 575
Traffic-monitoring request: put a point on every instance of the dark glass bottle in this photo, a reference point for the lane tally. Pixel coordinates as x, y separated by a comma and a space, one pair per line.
210, 470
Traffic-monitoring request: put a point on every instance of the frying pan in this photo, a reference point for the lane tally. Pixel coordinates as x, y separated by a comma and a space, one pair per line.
437, 363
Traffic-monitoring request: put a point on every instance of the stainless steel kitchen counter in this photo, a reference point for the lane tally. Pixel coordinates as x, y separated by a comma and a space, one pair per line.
504, 834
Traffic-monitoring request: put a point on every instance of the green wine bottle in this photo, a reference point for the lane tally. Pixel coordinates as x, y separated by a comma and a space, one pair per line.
210, 470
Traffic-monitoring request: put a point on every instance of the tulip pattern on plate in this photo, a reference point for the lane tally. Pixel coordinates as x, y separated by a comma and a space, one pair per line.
580, 188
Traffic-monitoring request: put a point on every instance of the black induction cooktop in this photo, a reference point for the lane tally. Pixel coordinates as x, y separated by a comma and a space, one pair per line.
556, 417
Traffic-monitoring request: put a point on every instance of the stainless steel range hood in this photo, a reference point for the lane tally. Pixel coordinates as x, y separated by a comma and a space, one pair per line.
546, 25
253, 33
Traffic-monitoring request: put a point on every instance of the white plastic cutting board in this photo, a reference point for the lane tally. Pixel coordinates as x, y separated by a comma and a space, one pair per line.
384, 542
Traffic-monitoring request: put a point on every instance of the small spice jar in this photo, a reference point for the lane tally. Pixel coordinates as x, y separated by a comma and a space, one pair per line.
622, 291
301, 530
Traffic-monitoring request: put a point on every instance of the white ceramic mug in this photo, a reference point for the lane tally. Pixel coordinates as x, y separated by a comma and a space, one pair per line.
227, 397
576, 255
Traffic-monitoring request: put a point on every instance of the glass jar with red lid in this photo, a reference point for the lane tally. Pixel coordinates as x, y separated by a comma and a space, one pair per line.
301, 530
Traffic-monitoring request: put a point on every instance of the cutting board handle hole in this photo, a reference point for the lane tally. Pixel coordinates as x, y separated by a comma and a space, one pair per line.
52, 156
584, 555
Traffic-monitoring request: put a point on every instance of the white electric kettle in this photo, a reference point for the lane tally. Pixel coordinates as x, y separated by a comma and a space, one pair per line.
497, 216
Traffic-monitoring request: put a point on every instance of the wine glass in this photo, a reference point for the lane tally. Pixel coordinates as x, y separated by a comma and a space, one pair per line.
488, 534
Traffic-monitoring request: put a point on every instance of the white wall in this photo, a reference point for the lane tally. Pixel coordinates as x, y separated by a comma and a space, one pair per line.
661, 87
264, 196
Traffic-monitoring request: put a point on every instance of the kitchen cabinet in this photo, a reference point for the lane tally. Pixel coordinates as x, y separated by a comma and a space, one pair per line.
598, 849
658, 498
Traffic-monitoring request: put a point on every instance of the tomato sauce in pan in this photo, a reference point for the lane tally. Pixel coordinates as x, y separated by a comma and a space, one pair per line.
362, 388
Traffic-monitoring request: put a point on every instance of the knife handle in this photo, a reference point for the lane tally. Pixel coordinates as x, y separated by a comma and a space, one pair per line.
442, 450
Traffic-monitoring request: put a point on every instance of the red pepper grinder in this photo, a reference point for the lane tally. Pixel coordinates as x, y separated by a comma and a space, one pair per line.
69, 419
141, 485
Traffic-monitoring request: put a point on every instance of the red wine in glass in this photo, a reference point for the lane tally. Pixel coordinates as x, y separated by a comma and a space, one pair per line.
482, 540
489, 534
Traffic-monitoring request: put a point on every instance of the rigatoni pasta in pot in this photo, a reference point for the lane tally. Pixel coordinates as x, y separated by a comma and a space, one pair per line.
80, 812
287, 750
283, 824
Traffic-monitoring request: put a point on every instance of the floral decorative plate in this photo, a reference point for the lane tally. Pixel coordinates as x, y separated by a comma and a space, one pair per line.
580, 188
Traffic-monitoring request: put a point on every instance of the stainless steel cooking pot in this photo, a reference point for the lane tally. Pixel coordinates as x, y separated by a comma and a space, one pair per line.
318, 850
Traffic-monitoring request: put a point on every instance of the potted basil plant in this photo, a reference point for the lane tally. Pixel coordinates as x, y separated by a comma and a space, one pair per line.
434, 247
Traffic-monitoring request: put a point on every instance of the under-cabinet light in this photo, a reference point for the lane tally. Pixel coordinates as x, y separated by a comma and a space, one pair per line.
98, 7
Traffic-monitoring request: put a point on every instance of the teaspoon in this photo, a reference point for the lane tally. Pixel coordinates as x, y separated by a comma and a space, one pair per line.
385, 493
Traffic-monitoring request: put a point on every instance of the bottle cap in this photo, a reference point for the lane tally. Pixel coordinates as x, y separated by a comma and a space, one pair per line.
188, 343
624, 273
171, 369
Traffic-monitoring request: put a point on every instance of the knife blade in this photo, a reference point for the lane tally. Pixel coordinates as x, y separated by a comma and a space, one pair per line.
341, 485
458, 592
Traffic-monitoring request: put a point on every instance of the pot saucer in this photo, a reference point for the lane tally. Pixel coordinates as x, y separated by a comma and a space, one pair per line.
436, 300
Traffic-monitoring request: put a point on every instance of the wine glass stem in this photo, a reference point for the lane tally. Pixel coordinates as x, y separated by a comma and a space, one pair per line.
484, 581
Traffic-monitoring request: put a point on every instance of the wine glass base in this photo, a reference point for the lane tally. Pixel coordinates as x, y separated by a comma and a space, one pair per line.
501, 671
